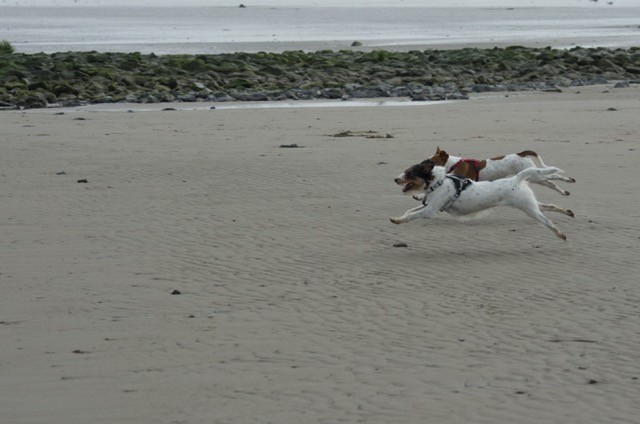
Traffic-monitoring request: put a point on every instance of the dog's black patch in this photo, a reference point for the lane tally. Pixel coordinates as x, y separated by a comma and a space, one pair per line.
421, 170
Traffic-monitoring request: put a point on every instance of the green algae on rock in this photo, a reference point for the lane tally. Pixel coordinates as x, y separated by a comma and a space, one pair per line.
73, 78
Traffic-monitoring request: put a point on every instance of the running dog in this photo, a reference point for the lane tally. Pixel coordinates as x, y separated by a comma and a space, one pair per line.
498, 167
411, 181
462, 197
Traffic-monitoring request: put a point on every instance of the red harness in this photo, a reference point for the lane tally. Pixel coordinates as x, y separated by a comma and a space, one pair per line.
474, 162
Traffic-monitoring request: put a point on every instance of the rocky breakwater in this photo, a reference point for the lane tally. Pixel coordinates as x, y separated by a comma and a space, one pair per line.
75, 78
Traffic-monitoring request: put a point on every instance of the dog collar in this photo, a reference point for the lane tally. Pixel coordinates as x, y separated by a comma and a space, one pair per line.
431, 189
474, 162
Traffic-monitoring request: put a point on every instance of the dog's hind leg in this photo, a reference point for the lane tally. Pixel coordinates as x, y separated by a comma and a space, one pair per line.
538, 216
554, 208
525, 200
537, 161
562, 178
552, 186
545, 179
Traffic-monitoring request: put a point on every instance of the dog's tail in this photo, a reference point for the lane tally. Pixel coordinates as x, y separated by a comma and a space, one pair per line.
534, 157
536, 175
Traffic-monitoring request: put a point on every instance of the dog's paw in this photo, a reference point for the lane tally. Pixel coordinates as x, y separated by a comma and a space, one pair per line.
396, 220
570, 213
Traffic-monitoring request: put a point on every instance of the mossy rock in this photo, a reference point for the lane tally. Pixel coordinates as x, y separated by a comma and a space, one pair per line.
272, 70
95, 57
165, 96
374, 56
14, 85
225, 67
44, 85
114, 88
195, 65
95, 88
33, 100
67, 97
130, 64
298, 74
161, 88
128, 80
171, 82
240, 83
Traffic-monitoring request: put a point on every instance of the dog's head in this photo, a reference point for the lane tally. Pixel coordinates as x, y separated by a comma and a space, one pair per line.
440, 157
417, 177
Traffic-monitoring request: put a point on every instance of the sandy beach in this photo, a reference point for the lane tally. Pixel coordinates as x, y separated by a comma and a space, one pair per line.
204, 274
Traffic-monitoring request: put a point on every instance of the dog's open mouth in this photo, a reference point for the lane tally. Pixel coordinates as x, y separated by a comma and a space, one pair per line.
408, 186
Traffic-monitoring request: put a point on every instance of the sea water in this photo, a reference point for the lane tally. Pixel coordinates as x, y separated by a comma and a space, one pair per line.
193, 27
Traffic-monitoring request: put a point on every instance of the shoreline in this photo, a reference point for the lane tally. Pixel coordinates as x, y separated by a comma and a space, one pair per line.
384, 102
237, 105
216, 48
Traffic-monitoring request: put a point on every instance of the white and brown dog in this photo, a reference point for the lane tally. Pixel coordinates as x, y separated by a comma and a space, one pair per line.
498, 167
462, 197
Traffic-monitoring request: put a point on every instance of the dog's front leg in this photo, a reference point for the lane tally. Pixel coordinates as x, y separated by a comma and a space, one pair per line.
403, 218
424, 211
417, 208
437, 200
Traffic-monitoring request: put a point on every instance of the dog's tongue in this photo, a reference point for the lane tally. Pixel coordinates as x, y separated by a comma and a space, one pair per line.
406, 187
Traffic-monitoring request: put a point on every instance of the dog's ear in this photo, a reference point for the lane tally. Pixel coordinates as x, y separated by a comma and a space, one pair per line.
437, 150
443, 155
426, 167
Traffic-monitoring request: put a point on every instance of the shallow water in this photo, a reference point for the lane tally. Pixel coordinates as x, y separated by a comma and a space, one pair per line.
170, 30
279, 104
